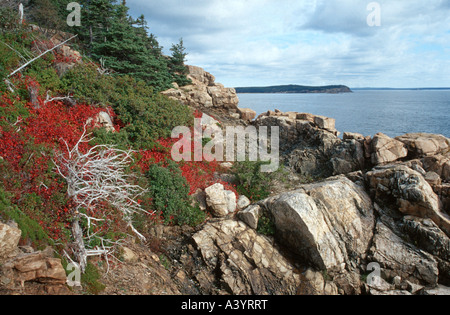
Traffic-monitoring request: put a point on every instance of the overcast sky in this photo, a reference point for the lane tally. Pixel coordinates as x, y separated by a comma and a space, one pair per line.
308, 42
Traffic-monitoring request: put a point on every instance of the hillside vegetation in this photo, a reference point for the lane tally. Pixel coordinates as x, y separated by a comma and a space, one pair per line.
49, 128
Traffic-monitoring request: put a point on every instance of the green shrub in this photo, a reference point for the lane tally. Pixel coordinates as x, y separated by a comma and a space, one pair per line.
169, 191
250, 181
266, 226
44, 73
146, 116
8, 19
90, 280
31, 230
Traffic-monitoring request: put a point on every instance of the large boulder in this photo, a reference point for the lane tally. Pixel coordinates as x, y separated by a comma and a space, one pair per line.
225, 98
424, 144
443, 191
346, 157
325, 123
427, 236
398, 258
386, 149
408, 191
9, 239
244, 262
37, 267
310, 145
439, 164
199, 74
327, 224
204, 91
195, 95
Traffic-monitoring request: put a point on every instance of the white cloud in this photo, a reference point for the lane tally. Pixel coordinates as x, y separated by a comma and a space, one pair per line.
267, 42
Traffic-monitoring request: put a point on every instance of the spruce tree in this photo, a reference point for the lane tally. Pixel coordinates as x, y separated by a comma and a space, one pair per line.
124, 50
126, 46
96, 20
178, 68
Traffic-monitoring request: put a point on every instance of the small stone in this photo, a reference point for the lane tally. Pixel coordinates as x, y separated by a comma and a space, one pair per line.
128, 255
250, 216
243, 202
222, 202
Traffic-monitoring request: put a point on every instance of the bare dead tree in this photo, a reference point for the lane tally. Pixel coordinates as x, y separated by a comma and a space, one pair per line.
94, 177
20, 13
58, 98
27, 63
42, 54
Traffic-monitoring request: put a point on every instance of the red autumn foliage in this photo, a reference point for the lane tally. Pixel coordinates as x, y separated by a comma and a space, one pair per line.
199, 175
26, 148
26, 151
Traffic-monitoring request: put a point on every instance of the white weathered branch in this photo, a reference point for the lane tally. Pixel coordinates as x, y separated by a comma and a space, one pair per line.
94, 177
9, 85
51, 99
20, 13
36, 58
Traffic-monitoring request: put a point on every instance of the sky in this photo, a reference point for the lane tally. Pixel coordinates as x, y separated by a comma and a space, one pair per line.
358, 43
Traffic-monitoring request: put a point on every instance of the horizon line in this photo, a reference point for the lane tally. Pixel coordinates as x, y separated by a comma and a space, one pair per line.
355, 88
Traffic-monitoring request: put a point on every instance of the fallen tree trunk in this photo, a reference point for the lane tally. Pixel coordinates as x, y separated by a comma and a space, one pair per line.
36, 58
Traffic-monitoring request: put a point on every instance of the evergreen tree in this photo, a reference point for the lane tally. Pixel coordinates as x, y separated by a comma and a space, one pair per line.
177, 65
126, 45
46, 14
124, 50
149, 40
96, 20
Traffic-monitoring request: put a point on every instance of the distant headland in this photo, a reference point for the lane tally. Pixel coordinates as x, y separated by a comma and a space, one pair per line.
330, 89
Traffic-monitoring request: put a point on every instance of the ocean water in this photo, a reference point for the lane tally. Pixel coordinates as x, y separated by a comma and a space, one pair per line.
393, 112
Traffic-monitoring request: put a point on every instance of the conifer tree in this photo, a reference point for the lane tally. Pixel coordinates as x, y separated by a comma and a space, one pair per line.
126, 46
177, 65
124, 50
96, 20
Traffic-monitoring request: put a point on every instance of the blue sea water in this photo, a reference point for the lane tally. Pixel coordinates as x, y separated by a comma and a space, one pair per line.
393, 112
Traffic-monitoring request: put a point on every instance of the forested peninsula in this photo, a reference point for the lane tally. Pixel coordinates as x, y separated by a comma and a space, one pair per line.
331, 89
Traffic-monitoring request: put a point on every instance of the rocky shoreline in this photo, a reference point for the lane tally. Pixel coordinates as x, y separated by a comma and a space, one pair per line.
380, 202
376, 201
375, 220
